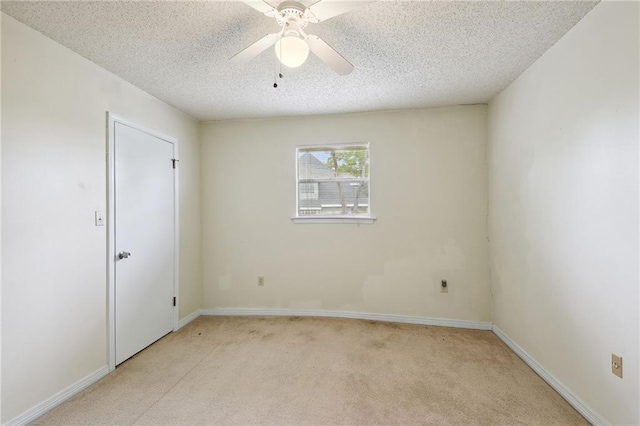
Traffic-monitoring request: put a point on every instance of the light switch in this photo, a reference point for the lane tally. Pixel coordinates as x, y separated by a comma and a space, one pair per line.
99, 218
616, 365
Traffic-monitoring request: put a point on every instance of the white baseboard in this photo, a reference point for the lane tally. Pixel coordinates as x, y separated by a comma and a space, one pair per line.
572, 399
186, 320
57, 399
442, 322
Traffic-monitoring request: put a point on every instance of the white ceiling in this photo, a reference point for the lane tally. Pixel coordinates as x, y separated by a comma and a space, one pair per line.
407, 54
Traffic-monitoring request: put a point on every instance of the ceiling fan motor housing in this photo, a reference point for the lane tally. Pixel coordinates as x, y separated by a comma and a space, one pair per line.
293, 16
292, 11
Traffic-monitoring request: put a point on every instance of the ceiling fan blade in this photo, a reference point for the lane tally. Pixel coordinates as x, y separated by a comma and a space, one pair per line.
255, 49
325, 9
328, 55
261, 6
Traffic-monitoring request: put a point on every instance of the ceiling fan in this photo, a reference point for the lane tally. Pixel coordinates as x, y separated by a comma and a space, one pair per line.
292, 44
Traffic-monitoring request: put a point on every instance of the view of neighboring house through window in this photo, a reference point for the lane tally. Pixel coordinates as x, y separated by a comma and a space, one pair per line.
333, 180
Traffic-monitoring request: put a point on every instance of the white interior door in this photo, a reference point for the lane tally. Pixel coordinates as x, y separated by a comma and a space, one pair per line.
143, 239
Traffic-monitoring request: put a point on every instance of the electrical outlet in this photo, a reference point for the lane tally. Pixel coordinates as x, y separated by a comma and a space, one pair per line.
616, 365
260, 280
444, 287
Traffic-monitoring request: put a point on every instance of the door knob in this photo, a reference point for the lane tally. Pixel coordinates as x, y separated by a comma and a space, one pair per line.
124, 255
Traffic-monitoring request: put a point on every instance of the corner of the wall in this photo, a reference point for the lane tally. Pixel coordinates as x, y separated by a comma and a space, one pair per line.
186, 320
487, 220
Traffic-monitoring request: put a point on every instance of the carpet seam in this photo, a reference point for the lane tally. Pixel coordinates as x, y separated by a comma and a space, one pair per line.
178, 382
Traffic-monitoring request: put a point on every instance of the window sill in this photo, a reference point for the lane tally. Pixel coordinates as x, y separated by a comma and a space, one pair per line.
364, 220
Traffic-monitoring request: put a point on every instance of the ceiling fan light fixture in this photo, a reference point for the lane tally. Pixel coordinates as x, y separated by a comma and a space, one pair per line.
292, 51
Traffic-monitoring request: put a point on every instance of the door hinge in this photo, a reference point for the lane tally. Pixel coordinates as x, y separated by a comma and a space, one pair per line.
174, 161
174, 301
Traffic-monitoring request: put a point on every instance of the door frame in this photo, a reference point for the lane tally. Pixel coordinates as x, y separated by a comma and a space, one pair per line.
111, 255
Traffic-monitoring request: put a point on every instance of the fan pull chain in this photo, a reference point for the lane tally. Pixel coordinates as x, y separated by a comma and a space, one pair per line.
280, 74
275, 80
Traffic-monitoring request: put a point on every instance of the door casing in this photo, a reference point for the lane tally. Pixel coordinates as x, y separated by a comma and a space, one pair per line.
111, 255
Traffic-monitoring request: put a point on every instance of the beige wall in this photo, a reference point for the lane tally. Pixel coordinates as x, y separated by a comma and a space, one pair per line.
54, 177
564, 210
429, 194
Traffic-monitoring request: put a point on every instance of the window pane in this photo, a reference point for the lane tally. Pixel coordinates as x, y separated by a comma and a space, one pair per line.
333, 180
309, 191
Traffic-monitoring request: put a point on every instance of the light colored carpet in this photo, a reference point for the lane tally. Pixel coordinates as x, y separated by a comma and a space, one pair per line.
321, 371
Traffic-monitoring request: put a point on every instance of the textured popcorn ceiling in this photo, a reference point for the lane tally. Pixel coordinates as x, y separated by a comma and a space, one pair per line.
407, 54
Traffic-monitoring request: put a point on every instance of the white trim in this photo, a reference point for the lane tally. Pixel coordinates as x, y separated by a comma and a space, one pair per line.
186, 320
329, 146
111, 267
296, 160
335, 179
57, 399
569, 396
441, 322
332, 206
176, 237
333, 219
111, 257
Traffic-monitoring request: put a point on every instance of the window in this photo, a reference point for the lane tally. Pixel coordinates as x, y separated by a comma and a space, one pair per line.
332, 183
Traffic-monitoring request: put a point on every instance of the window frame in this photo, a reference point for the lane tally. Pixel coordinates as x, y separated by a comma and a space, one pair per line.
367, 218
